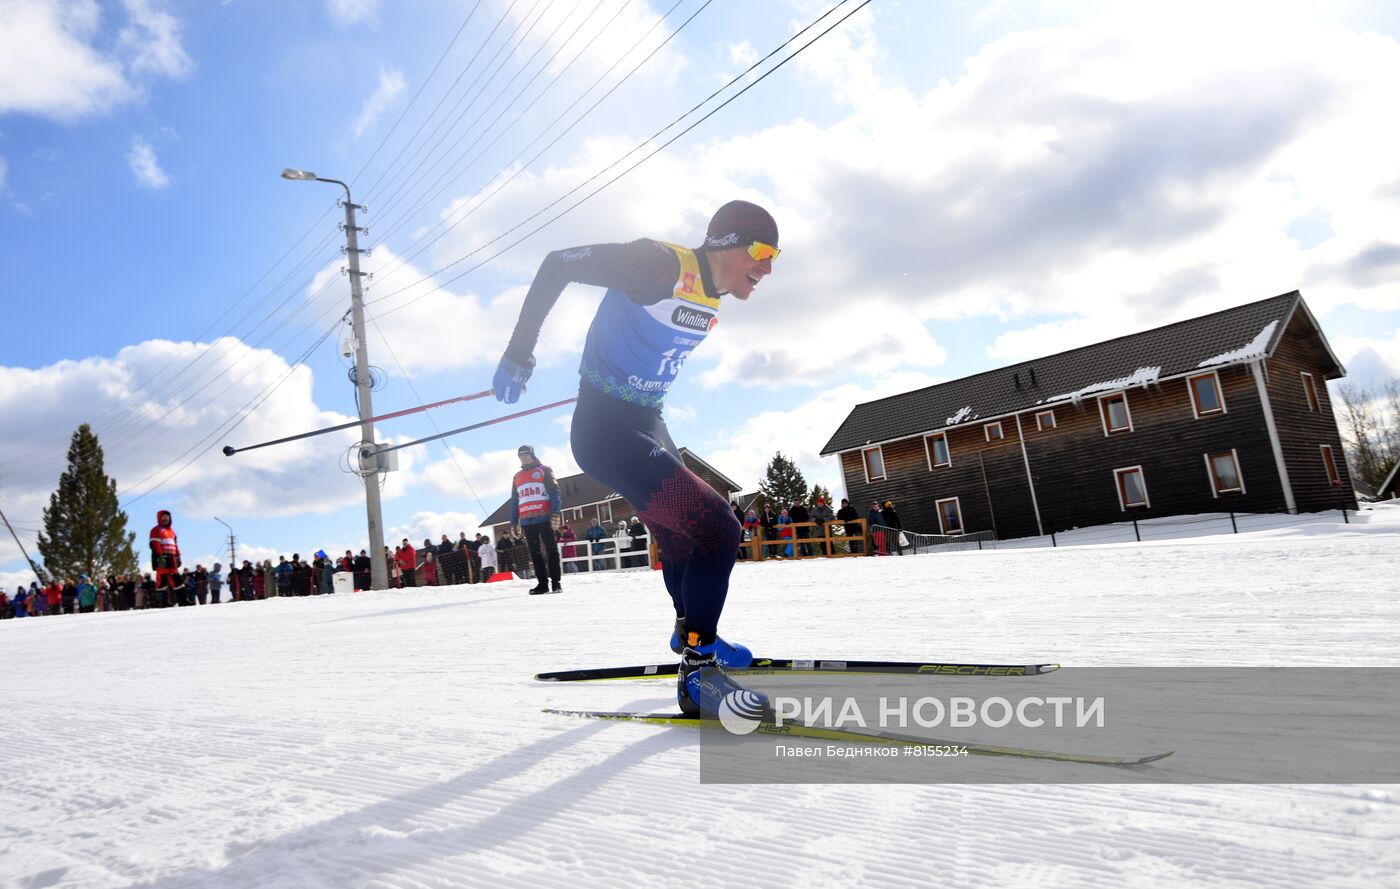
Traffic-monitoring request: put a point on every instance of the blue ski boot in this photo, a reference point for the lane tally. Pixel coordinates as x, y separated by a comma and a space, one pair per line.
702, 688
729, 655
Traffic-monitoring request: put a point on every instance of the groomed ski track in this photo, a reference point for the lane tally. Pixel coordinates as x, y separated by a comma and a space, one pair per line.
396, 739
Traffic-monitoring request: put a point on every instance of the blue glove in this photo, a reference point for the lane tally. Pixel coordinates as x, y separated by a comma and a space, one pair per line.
509, 381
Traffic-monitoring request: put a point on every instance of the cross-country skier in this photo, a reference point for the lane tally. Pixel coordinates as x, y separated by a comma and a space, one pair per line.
662, 302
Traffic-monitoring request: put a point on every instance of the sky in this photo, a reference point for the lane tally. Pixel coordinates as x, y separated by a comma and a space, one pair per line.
958, 186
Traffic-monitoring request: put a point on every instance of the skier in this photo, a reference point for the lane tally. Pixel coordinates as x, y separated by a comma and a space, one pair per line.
662, 302
165, 557
534, 502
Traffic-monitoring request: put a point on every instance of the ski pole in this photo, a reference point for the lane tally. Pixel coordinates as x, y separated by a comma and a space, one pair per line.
515, 416
229, 450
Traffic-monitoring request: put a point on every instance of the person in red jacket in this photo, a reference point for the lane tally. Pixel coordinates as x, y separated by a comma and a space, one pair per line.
165, 558
53, 597
408, 561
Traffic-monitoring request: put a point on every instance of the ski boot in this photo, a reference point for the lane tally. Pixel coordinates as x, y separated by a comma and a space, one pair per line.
554, 587
702, 686
729, 655
541, 587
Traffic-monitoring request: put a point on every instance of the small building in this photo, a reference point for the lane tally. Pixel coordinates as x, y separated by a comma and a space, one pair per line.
1227, 411
584, 499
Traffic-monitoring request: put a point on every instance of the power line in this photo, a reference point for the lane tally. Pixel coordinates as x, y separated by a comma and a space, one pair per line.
396, 225
422, 86
524, 66
145, 431
229, 425
374, 187
414, 389
600, 188
120, 403
402, 261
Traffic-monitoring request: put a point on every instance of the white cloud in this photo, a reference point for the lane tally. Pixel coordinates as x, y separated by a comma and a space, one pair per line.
58, 59
488, 475
145, 166
391, 83
744, 450
1370, 361
146, 420
48, 65
10, 580
742, 54
151, 41
432, 525
345, 13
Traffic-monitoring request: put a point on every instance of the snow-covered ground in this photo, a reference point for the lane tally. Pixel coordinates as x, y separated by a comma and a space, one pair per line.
396, 740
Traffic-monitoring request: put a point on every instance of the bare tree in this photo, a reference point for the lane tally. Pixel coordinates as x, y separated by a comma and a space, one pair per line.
1368, 428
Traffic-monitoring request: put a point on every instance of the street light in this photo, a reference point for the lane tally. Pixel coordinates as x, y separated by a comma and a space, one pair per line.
379, 571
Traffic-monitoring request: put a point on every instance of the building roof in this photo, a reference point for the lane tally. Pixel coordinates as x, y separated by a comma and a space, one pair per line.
578, 491
1232, 336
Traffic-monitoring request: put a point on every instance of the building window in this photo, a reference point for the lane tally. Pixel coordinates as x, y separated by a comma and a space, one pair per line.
1310, 390
1206, 397
1224, 469
1044, 420
1115, 414
1331, 466
578, 515
936, 448
993, 431
874, 463
605, 512
1132, 490
949, 515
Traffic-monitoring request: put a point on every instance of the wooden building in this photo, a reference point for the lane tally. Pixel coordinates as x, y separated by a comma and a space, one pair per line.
1228, 411
584, 499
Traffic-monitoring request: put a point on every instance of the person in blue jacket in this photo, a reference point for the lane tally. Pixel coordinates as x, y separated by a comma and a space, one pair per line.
662, 302
21, 602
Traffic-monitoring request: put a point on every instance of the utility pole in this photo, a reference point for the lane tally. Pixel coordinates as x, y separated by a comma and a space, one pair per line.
368, 456
232, 555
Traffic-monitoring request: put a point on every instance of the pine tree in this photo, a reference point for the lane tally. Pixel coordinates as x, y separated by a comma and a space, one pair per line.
84, 529
782, 483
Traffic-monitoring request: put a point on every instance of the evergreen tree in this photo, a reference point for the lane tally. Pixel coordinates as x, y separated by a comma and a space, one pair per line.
782, 483
84, 529
820, 491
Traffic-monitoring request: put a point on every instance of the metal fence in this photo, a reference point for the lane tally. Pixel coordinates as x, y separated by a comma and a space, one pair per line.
908, 543
1179, 527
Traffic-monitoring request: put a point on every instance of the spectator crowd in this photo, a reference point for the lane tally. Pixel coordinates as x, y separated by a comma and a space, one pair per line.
781, 534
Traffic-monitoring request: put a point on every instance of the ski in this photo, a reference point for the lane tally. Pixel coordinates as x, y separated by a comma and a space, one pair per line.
795, 730
762, 666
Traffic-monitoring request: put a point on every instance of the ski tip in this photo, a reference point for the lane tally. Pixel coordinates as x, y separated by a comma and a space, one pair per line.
1152, 758
1049, 668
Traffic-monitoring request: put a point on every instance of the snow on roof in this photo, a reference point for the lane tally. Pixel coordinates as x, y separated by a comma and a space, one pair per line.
1140, 377
957, 418
1255, 349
